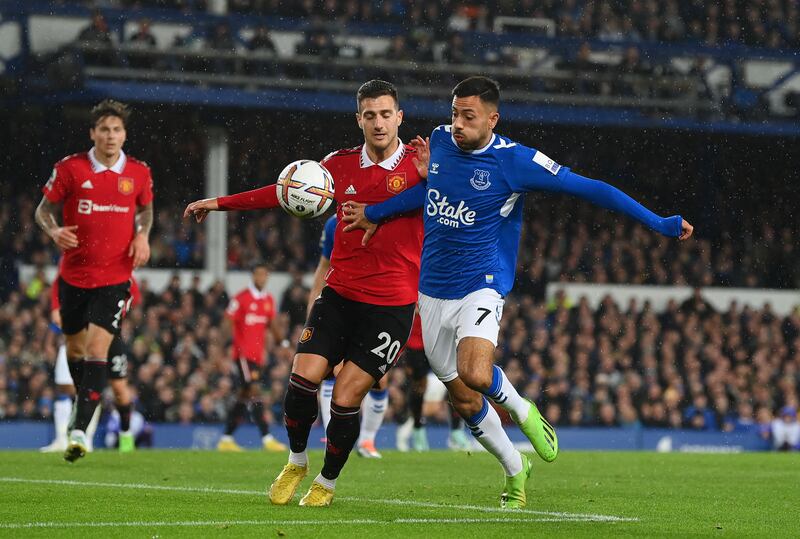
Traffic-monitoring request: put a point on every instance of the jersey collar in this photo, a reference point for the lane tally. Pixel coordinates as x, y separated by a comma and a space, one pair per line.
390, 163
256, 293
99, 167
479, 150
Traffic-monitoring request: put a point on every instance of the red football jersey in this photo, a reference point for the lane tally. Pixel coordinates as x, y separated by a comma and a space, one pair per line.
134, 298
386, 270
251, 312
415, 339
102, 201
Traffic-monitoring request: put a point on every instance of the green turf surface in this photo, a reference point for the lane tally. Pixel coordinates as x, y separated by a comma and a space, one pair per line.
430, 495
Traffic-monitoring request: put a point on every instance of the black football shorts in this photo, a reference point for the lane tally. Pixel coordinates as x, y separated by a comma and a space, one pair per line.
371, 336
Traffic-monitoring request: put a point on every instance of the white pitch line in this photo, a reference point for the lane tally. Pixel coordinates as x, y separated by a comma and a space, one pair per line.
581, 517
197, 523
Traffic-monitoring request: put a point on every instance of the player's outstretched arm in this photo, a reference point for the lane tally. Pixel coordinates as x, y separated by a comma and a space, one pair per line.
365, 217
611, 198
255, 199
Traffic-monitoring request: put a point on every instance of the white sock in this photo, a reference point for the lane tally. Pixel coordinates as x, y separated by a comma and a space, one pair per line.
372, 411
298, 459
62, 410
92, 428
226, 438
266, 438
325, 398
325, 482
487, 429
503, 393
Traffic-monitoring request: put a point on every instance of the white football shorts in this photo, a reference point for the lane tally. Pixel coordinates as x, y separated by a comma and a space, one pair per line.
446, 321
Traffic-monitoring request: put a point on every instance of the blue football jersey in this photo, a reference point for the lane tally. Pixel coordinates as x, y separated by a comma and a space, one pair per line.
326, 239
473, 213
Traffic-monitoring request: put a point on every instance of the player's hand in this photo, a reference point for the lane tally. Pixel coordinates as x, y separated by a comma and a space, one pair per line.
55, 317
353, 213
686, 230
65, 237
421, 161
139, 250
201, 208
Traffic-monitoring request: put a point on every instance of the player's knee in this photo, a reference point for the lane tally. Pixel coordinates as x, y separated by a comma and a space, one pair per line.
75, 351
97, 349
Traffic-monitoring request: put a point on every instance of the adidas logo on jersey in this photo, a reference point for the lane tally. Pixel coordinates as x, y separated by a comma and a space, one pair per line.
350, 190
87, 185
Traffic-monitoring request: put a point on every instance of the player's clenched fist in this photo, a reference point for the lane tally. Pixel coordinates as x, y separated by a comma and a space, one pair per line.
686, 230
139, 250
201, 208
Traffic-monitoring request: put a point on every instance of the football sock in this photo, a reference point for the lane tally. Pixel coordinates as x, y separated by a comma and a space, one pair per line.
342, 435
374, 408
124, 417
235, 417
257, 413
95, 372
300, 459
325, 397
62, 410
415, 401
487, 429
503, 393
76, 371
325, 482
299, 411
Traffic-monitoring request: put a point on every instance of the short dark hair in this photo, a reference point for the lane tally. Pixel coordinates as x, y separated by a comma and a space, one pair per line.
487, 90
109, 107
257, 265
376, 88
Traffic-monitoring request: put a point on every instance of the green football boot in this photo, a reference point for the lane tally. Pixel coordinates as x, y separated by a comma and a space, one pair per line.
540, 432
126, 442
513, 496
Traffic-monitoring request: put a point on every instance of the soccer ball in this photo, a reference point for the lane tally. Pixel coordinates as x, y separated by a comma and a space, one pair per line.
305, 189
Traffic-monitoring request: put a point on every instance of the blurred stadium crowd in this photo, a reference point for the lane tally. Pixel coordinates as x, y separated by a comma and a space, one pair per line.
617, 365
764, 23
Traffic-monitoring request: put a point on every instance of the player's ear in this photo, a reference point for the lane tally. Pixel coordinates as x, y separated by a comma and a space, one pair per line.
399, 117
494, 117
358, 120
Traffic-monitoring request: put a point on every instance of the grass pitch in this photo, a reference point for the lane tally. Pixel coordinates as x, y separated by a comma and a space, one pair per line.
190, 494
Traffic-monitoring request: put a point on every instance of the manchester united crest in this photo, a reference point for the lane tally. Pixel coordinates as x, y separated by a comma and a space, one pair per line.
125, 186
306, 335
396, 182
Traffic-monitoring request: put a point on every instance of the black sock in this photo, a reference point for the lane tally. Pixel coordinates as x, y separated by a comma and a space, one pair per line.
95, 372
415, 400
300, 411
456, 421
257, 413
76, 371
342, 435
235, 417
124, 417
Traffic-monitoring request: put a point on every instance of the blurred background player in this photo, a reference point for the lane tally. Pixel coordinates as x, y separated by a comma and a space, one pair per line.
65, 387
364, 314
251, 313
107, 213
373, 409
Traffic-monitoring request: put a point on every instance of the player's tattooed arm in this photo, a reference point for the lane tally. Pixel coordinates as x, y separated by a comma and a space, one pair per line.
144, 219
63, 236
139, 249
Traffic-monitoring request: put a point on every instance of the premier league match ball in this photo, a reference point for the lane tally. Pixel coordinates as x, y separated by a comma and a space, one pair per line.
305, 189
